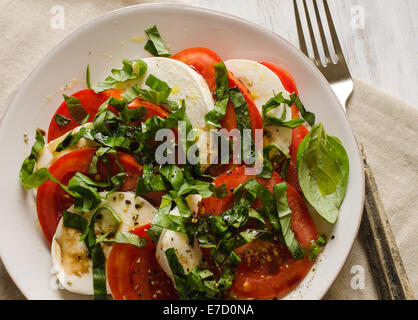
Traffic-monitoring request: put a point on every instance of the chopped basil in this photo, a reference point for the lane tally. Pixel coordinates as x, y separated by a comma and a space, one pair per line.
61, 120
72, 139
77, 111
316, 246
273, 157
274, 103
323, 169
132, 69
284, 213
26, 171
214, 116
125, 237
88, 77
155, 45
308, 116
200, 283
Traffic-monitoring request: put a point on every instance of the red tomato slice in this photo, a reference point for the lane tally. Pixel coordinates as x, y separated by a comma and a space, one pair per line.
90, 101
203, 60
52, 200
298, 134
153, 109
134, 274
287, 81
267, 269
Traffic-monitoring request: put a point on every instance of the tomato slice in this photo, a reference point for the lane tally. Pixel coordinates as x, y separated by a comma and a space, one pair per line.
52, 200
287, 81
298, 134
203, 60
134, 274
90, 101
267, 269
153, 109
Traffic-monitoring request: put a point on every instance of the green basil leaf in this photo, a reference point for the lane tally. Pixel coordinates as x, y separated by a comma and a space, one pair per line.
61, 120
77, 111
273, 103
131, 69
88, 77
228, 271
222, 81
99, 272
323, 172
273, 157
285, 214
28, 164
155, 45
316, 246
72, 139
308, 116
127, 238
214, 116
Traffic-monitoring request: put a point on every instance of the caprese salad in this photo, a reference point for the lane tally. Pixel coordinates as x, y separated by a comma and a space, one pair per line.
129, 214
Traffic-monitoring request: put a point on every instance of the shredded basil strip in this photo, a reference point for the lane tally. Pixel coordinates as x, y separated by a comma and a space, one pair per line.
285, 214
323, 169
201, 283
61, 120
77, 111
88, 77
274, 156
214, 116
316, 246
28, 164
131, 69
308, 116
275, 102
155, 45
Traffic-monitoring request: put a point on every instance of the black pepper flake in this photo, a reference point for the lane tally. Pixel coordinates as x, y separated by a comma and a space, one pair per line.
332, 237
137, 206
128, 201
139, 294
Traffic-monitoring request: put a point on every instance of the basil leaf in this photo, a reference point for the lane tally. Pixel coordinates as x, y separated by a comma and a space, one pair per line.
273, 157
285, 214
214, 116
88, 77
228, 271
155, 45
74, 221
72, 139
125, 237
226, 246
28, 164
131, 69
77, 111
323, 169
316, 246
149, 182
222, 81
61, 120
85, 192
99, 272
308, 116
273, 103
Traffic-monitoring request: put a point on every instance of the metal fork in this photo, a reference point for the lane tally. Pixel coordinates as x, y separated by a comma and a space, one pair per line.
385, 261
337, 72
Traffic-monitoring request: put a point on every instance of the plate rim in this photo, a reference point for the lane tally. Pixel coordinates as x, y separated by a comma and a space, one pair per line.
200, 9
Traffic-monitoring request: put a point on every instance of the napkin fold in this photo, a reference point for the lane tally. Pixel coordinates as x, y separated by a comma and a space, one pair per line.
387, 127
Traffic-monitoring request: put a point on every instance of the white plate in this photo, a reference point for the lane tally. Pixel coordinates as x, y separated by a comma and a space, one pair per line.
103, 43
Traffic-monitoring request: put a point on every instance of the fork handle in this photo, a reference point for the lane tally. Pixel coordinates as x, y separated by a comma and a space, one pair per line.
385, 261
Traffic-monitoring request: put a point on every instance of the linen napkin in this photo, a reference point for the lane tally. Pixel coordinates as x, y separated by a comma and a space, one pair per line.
386, 126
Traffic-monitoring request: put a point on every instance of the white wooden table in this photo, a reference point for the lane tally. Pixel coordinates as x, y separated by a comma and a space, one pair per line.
383, 52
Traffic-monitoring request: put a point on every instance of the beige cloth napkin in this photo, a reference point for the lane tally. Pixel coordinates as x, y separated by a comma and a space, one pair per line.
386, 126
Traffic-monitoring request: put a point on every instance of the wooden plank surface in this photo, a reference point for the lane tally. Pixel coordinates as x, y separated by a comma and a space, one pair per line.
383, 53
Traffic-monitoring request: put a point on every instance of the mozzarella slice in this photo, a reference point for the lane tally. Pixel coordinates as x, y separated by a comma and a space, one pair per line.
70, 259
187, 85
48, 155
262, 82
189, 256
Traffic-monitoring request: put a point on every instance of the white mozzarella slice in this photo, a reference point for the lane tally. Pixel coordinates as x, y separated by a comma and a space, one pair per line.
262, 82
70, 259
48, 155
187, 85
189, 256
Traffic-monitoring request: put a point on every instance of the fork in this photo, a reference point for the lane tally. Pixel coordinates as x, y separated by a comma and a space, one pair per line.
385, 261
